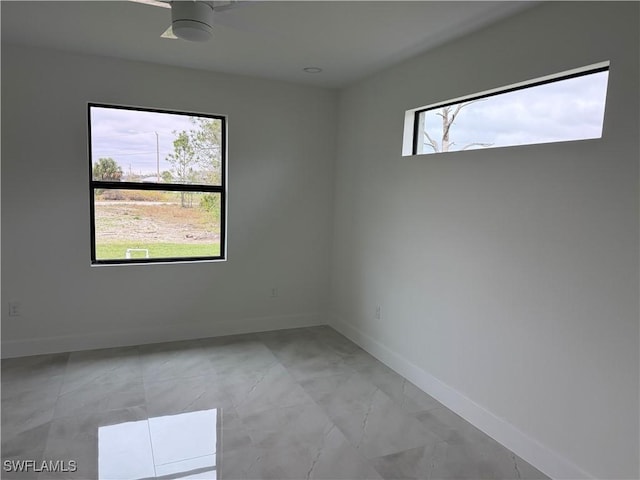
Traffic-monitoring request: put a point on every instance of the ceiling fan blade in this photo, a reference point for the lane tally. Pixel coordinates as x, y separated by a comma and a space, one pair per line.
154, 3
168, 33
222, 5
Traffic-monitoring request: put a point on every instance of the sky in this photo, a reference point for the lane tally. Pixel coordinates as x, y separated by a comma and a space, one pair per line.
565, 110
129, 137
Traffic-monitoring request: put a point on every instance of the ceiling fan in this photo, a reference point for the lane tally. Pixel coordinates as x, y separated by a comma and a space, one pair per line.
190, 19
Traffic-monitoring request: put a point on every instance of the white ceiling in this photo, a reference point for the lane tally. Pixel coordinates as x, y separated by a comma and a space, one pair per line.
348, 40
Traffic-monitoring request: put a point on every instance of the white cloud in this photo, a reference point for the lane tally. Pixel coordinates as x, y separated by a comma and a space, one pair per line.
129, 137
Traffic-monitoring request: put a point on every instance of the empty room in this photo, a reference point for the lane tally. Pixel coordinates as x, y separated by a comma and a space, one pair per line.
320, 240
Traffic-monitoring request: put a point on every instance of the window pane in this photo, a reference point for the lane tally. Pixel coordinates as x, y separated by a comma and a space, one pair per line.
134, 224
569, 109
146, 146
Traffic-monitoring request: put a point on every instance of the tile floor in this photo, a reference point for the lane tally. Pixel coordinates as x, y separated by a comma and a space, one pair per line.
292, 404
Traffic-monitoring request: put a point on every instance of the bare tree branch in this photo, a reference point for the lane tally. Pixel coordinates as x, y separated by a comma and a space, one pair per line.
432, 143
457, 110
446, 125
459, 107
476, 143
464, 104
449, 114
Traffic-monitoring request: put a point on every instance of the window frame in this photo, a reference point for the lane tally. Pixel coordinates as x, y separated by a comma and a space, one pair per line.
155, 186
597, 68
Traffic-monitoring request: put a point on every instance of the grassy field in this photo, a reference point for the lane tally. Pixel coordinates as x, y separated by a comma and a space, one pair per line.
117, 250
165, 228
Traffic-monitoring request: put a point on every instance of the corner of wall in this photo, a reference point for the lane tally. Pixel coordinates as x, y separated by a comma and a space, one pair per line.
544, 459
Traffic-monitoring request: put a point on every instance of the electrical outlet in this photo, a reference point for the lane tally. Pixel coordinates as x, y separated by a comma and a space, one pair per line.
274, 292
378, 314
14, 309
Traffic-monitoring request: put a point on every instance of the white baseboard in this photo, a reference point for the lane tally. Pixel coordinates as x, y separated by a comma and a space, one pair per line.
164, 333
543, 458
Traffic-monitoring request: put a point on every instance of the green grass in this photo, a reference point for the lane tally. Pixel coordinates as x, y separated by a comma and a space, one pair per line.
117, 250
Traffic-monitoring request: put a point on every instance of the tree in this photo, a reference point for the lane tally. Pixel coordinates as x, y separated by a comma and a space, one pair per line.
206, 140
107, 169
197, 155
210, 202
449, 115
166, 176
183, 160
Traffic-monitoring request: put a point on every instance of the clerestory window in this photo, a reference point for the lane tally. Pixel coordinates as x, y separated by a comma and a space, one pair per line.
562, 107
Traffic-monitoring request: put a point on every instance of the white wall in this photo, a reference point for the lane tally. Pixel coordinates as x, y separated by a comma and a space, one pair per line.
281, 154
507, 278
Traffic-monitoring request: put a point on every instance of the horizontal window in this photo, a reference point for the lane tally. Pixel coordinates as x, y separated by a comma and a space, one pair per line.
157, 185
563, 107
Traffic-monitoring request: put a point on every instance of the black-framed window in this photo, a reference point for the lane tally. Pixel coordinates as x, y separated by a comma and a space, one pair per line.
157, 185
562, 107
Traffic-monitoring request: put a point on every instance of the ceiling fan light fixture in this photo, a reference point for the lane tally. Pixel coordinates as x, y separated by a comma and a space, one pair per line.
192, 31
192, 21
